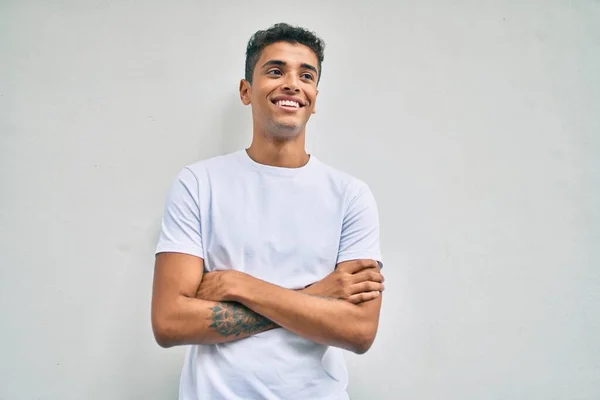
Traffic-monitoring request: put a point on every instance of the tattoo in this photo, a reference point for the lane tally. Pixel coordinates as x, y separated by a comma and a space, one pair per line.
229, 318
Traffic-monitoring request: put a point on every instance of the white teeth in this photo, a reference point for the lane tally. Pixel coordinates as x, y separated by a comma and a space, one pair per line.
288, 103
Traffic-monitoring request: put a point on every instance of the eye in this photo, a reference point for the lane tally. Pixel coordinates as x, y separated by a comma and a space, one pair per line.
308, 76
274, 72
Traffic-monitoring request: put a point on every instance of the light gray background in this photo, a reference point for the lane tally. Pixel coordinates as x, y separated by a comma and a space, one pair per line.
476, 124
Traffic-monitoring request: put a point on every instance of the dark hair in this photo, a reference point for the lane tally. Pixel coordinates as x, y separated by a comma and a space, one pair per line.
282, 32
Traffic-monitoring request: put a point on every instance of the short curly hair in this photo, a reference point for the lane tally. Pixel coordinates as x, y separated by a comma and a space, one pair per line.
282, 32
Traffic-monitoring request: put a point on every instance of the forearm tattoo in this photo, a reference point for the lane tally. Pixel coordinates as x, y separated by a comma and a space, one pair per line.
235, 319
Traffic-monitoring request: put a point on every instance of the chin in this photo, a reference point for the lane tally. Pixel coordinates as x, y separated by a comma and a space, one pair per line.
283, 131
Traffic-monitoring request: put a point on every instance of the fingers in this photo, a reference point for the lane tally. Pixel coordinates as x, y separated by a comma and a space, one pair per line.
368, 275
362, 297
355, 266
368, 286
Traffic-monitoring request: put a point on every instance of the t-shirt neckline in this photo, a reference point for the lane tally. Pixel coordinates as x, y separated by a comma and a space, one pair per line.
269, 169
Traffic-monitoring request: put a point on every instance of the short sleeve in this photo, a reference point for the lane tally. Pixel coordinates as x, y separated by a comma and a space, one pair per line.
180, 228
360, 228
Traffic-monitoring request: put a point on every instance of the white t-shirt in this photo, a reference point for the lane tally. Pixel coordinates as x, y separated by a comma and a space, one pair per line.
287, 226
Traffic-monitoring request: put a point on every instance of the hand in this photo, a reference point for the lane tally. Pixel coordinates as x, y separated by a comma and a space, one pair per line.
217, 285
355, 281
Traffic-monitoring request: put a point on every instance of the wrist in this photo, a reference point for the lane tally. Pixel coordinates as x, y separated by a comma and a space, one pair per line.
309, 289
237, 283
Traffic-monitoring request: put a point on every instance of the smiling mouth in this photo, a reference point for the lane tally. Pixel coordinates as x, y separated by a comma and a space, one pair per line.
289, 104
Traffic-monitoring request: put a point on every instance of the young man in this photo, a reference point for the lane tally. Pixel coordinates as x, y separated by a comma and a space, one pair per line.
268, 263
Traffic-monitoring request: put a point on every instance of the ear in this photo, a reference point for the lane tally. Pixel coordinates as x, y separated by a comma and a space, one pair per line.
245, 91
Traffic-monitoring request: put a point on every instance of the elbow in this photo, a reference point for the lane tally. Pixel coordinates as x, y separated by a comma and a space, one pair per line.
162, 337
164, 334
362, 346
362, 349
363, 339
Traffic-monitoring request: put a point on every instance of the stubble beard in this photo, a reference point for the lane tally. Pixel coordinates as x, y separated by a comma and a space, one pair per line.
280, 131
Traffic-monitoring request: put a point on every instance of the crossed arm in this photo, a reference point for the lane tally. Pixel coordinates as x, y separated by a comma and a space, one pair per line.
341, 310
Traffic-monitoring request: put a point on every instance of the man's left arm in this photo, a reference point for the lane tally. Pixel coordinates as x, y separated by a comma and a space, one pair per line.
323, 320
320, 319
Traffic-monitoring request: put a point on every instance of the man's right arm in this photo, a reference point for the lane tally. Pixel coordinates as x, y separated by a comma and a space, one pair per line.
179, 318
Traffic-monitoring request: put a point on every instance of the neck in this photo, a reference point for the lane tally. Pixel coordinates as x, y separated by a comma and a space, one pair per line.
289, 153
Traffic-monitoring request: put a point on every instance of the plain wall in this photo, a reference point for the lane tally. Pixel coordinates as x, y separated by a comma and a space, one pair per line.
476, 124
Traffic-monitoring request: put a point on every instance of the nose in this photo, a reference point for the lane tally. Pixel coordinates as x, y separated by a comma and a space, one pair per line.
290, 84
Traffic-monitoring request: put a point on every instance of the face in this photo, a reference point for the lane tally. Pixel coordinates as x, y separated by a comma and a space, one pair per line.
283, 90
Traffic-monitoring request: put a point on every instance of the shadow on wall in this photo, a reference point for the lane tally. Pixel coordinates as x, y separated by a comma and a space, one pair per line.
235, 129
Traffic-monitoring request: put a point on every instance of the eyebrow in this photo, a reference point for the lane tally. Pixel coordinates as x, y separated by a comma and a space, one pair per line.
283, 63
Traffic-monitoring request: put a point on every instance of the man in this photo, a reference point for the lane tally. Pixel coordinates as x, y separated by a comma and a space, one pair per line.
268, 263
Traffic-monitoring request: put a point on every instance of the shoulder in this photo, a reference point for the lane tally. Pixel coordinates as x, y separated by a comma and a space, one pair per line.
199, 171
194, 177
229, 160
347, 184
